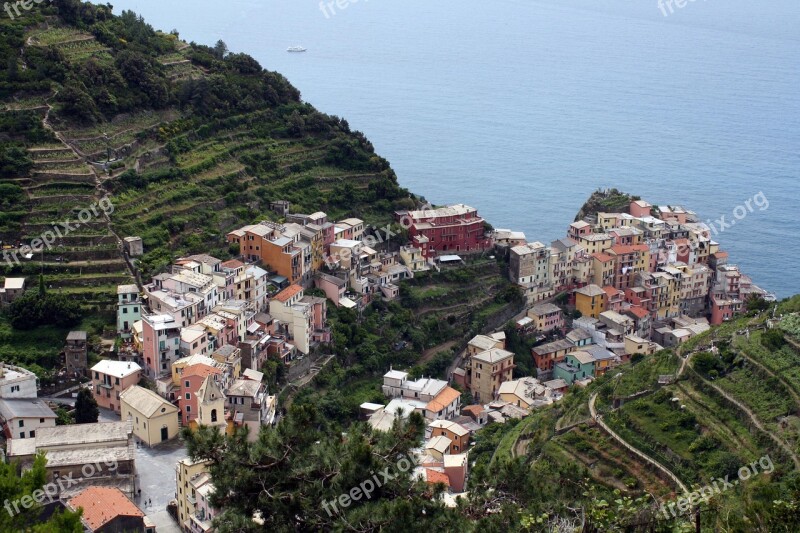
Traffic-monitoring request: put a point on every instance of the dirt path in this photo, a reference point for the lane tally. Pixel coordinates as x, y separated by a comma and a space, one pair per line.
635, 451
429, 354
780, 442
769, 372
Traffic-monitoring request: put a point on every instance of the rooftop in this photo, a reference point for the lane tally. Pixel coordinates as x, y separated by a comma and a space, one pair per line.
288, 293
127, 289
103, 504
116, 368
244, 387
147, 402
544, 309
76, 336
15, 283
450, 426
494, 355
82, 434
24, 408
590, 291
446, 397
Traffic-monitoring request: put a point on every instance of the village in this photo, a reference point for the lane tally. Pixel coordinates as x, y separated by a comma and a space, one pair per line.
193, 343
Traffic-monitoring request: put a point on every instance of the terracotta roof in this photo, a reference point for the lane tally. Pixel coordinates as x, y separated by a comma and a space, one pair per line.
639, 311
233, 263
443, 399
600, 256
103, 504
612, 291
200, 369
433, 477
474, 410
286, 294
622, 249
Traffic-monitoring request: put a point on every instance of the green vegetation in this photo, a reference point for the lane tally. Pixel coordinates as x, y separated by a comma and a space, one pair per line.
18, 491
86, 411
606, 201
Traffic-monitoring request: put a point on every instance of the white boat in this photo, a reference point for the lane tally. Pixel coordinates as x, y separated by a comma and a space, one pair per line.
295, 49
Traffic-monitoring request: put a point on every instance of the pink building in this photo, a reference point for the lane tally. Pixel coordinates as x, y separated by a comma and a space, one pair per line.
110, 379
161, 344
640, 208
191, 381
333, 287
614, 298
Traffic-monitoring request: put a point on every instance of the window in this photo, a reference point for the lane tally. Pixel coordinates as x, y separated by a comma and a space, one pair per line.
22, 434
213, 415
188, 396
22, 423
188, 408
124, 310
41, 420
116, 381
33, 433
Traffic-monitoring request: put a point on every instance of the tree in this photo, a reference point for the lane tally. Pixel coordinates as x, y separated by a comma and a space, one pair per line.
220, 49
773, 339
18, 490
64, 417
294, 477
86, 411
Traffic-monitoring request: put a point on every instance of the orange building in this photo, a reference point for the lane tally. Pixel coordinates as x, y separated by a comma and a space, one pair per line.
266, 242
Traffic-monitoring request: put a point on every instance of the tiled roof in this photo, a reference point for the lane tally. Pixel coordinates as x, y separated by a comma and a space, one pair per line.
602, 257
286, 294
433, 477
200, 369
443, 399
147, 402
102, 504
639, 312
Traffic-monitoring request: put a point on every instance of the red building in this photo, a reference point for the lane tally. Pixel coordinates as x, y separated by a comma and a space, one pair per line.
452, 229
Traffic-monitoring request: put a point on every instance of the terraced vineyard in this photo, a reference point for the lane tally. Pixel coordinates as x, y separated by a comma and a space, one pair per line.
181, 173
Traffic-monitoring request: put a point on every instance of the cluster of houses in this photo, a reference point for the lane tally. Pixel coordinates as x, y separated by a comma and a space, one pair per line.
201, 332
651, 263
443, 457
89, 466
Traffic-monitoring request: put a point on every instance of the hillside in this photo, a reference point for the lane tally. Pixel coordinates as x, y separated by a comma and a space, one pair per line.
187, 142
730, 400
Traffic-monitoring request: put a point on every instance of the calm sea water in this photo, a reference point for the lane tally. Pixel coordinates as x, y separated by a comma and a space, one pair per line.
522, 108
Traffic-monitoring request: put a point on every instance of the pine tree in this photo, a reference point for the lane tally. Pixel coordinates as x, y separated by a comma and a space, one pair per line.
86, 411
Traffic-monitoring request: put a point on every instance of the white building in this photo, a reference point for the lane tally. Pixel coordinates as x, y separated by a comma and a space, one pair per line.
21, 417
16, 382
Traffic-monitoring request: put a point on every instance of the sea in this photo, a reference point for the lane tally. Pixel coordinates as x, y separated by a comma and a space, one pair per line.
522, 108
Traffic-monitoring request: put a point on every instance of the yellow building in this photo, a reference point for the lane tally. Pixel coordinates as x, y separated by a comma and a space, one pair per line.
489, 369
603, 266
590, 300
186, 472
595, 242
154, 419
211, 407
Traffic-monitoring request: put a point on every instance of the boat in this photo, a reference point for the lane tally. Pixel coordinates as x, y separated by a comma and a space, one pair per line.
295, 49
